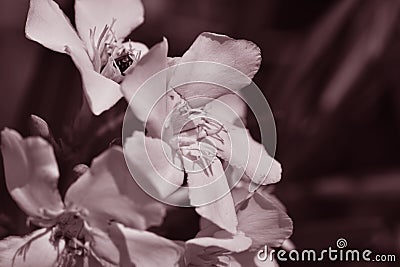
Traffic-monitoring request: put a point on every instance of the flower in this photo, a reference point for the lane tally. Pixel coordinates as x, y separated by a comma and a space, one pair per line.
103, 216
95, 46
185, 123
262, 221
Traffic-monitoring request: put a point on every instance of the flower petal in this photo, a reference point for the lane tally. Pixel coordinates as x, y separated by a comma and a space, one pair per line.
240, 150
146, 248
149, 161
103, 247
222, 239
109, 193
261, 218
249, 258
228, 108
221, 63
125, 246
99, 13
38, 251
152, 63
148, 98
205, 249
212, 188
47, 25
31, 173
241, 190
102, 93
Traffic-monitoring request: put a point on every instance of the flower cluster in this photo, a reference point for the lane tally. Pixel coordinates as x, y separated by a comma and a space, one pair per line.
194, 150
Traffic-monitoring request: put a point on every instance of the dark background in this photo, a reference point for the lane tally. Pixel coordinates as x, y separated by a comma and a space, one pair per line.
330, 72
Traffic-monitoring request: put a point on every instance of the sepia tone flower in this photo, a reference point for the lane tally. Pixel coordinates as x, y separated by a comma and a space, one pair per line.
96, 46
261, 221
182, 126
83, 226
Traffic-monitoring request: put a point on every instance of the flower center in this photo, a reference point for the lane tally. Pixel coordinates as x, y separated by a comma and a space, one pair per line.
69, 228
192, 137
126, 59
66, 227
111, 57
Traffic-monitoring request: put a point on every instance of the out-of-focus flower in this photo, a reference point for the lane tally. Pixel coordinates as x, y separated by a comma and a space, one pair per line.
262, 221
186, 125
96, 46
83, 226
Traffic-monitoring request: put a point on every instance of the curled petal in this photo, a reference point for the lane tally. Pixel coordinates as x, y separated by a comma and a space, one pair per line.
262, 219
47, 24
102, 93
109, 193
90, 14
125, 247
223, 65
240, 150
31, 173
150, 161
34, 249
209, 193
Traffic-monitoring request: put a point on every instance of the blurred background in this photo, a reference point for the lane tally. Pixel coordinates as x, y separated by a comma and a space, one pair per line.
330, 71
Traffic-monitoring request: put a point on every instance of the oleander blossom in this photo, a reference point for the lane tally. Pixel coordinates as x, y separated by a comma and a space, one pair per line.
262, 221
186, 135
194, 150
96, 46
102, 220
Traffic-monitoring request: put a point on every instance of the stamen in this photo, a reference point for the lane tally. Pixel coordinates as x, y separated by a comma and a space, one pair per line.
69, 228
105, 33
92, 33
25, 247
101, 37
103, 45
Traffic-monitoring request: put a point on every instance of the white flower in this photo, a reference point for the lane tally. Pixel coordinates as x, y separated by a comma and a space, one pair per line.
187, 138
96, 46
91, 223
